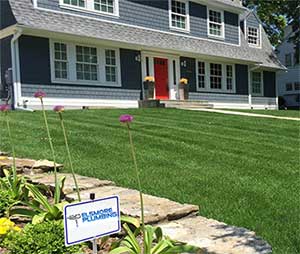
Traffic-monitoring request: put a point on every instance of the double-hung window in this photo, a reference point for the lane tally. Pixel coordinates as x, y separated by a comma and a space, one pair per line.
216, 23
297, 86
109, 7
110, 65
201, 75
253, 35
78, 3
73, 63
179, 16
60, 61
256, 81
229, 77
215, 76
86, 63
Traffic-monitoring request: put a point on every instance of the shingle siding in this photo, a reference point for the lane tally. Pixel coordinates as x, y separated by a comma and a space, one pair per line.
6, 16
155, 15
252, 20
36, 73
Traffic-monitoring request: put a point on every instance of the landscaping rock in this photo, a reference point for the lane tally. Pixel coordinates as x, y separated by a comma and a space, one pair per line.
215, 237
3, 153
69, 187
27, 166
156, 209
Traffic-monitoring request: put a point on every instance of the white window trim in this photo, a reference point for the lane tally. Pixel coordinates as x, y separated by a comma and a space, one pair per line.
71, 57
262, 84
207, 77
187, 9
222, 36
259, 36
90, 8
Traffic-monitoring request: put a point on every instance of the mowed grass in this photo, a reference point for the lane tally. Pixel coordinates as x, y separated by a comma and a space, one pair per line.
240, 170
283, 113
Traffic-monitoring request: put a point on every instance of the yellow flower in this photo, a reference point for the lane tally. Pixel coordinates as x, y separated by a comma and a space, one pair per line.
149, 78
183, 81
7, 225
16, 228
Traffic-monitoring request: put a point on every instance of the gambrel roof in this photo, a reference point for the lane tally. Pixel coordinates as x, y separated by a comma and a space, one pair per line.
46, 20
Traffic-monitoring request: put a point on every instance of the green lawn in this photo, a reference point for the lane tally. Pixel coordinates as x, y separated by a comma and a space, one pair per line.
240, 170
284, 113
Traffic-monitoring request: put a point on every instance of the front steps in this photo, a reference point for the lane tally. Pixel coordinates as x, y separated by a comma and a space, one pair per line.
180, 104
186, 104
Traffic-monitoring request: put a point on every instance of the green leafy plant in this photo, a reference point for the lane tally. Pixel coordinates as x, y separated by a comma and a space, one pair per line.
39, 208
13, 183
43, 238
153, 243
6, 201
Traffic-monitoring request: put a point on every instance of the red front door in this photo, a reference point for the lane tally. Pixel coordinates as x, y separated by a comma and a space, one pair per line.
161, 78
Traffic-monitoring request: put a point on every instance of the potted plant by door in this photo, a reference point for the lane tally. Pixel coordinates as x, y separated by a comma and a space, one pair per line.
149, 85
183, 89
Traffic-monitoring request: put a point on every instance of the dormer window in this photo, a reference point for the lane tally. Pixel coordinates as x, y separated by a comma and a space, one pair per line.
215, 23
109, 7
253, 35
179, 14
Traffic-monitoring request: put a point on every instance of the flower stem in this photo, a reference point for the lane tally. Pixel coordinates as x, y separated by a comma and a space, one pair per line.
69, 155
138, 179
14, 168
57, 195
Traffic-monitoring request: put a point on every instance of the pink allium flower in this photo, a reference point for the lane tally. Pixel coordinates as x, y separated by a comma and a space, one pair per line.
39, 94
4, 108
126, 118
59, 108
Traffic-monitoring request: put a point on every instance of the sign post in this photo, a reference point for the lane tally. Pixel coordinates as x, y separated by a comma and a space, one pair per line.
89, 220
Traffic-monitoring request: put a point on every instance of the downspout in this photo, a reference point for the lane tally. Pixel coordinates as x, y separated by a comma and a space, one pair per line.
16, 91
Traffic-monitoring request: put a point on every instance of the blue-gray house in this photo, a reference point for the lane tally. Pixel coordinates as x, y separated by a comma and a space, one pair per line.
98, 52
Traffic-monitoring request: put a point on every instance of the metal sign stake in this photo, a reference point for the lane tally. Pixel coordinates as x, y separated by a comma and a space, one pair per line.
95, 251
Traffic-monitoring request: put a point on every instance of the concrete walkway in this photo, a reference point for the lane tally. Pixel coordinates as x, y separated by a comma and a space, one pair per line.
243, 113
178, 221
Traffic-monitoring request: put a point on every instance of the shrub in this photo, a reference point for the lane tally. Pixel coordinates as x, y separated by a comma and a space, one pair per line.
7, 227
5, 201
43, 238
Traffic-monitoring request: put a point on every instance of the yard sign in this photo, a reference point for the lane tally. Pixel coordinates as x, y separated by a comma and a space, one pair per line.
89, 220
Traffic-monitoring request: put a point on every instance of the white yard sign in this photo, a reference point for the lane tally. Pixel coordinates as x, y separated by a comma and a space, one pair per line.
89, 220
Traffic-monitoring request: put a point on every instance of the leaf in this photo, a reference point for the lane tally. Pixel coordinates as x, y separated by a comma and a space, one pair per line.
59, 185
38, 218
148, 239
183, 249
158, 233
22, 212
132, 239
130, 220
120, 250
40, 198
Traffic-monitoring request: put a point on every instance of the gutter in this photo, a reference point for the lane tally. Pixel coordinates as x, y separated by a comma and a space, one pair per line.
16, 91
